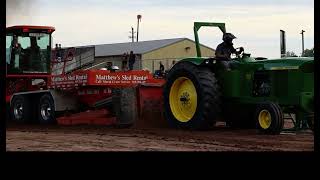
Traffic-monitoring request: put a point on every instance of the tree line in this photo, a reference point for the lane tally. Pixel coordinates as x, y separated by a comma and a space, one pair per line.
306, 53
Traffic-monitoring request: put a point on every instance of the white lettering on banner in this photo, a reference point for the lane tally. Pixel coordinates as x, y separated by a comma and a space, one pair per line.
58, 79
81, 77
126, 78
70, 79
141, 78
107, 77
116, 79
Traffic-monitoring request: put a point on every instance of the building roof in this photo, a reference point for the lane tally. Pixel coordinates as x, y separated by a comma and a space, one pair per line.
137, 47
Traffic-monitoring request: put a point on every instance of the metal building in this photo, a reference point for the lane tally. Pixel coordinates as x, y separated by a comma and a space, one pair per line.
148, 53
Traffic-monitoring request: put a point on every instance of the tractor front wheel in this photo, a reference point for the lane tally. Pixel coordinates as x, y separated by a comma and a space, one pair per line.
269, 118
191, 97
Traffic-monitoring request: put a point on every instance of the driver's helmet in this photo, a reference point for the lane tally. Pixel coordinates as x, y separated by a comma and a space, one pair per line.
228, 37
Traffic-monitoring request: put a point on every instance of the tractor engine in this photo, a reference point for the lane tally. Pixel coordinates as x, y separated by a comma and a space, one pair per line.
261, 84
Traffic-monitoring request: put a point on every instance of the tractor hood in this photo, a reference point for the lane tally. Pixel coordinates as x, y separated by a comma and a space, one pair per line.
305, 64
302, 63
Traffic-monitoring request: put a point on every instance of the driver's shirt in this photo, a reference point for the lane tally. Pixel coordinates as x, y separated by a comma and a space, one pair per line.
224, 51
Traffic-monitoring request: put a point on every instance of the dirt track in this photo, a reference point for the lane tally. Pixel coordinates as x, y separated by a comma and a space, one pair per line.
89, 138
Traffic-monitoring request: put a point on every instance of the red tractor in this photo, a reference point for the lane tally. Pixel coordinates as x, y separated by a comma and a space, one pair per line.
34, 94
28, 55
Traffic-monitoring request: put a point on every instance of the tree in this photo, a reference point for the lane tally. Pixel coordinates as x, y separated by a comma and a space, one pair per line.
308, 53
291, 54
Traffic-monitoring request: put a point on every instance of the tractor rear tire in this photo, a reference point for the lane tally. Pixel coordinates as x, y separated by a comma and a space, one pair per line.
20, 111
46, 110
191, 97
269, 118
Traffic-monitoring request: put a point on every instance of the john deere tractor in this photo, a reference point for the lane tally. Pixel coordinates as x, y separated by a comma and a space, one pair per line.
254, 93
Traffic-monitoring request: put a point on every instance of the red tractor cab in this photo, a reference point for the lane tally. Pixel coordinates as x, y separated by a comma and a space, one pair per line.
28, 55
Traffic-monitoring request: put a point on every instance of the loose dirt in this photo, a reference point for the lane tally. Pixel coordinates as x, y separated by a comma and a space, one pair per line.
99, 138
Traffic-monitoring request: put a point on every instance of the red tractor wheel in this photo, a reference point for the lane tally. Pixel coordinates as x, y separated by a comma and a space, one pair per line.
20, 109
46, 110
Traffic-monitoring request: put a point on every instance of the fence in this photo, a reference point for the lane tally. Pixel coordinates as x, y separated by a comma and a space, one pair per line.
83, 57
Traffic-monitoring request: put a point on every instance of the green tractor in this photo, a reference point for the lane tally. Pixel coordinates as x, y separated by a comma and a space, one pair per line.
254, 93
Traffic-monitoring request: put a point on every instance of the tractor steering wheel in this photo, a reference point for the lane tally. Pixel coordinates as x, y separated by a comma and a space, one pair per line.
240, 54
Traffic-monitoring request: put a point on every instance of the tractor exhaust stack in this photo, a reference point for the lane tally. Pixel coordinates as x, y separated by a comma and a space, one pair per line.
282, 43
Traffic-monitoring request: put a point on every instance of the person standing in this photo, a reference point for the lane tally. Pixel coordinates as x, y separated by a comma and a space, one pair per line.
124, 66
125, 62
161, 68
58, 53
132, 60
173, 63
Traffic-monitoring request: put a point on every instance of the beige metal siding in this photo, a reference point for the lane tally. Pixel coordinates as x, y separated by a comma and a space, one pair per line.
177, 51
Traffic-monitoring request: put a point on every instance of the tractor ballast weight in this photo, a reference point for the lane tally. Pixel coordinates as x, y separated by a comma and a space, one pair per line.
254, 93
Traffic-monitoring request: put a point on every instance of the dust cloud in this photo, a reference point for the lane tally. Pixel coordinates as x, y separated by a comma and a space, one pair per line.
19, 11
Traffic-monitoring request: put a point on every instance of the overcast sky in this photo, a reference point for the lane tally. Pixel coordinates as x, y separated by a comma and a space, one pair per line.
256, 24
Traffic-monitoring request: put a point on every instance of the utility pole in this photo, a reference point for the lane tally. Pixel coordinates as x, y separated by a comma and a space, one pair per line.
132, 34
139, 19
302, 42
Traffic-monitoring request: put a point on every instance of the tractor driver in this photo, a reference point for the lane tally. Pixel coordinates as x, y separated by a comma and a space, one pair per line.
225, 49
33, 53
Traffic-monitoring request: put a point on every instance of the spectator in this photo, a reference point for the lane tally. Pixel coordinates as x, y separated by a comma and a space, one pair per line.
59, 53
173, 63
125, 57
161, 67
124, 65
132, 59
